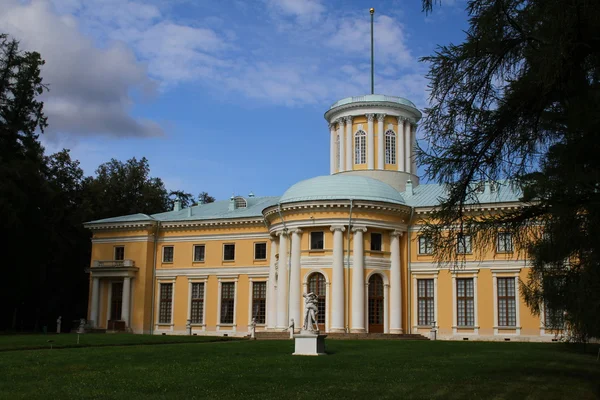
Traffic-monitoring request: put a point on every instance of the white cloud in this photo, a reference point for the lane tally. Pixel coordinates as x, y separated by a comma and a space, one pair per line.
90, 88
303, 10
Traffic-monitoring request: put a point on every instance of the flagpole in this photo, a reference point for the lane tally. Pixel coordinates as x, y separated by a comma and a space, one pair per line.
372, 11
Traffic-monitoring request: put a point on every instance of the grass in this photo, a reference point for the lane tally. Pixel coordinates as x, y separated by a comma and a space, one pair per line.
31, 342
266, 369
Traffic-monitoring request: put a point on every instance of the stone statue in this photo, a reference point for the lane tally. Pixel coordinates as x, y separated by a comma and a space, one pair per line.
310, 313
253, 329
188, 327
58, 323
81, 328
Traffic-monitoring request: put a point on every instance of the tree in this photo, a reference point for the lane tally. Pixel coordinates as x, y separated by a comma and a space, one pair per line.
205, 198
186, 199
519, 99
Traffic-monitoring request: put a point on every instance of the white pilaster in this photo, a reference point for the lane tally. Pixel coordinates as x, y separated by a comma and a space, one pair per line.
454, 310
400, 144
386, 308
370, 142
413, 147
395, 284
295, 280
341, 132
126, 300
272, 286
380, 142
407, 135
282, 283
358, 281
94, 306
332, 148
349, 147
337, 303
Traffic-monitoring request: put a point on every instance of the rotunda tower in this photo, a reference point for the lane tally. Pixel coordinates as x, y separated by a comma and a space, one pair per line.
375, 136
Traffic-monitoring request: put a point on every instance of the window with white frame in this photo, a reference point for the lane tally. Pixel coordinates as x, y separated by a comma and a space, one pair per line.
165, 308
317, 240
390, 147
376, 240
119, 253
554, 319
229, 252
425, 302
239, 202
259, 301
505, 242
465, 302
168, 253
425, 245
463, 244
260, 251
227, 302
197, 306
507, 311
338, 150
199, 252
360, 147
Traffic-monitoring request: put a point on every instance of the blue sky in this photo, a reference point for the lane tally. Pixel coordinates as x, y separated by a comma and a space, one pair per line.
224, 97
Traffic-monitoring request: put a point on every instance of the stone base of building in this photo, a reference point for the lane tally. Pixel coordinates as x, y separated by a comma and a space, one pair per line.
309, 344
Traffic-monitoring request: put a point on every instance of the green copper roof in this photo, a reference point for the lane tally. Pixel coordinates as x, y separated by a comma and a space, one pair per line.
430, 195
342, 187
373, 98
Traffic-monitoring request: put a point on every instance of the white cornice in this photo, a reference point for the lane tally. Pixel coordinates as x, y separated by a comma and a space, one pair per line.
219, 271
309, 223
120, 225
494, 265
476, 207
123, 239
212, 222
207, 238
327, 204
327, 261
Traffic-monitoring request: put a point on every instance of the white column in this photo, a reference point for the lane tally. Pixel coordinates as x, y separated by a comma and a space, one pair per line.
349, 152
386, 308
370, 142
126, 300
395, 284
94, 306
282, 283
332, 148
380, 142
295, 283
407, 135
413, 146
358, 281
272, 293
337, 303
341, 128
400, 144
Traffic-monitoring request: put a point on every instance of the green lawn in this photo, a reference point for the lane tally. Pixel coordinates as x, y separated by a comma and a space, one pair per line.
266, 369
65, 340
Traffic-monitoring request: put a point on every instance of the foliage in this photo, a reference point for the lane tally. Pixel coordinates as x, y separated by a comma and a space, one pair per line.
186, 199
353, 369
519, 99
205, 198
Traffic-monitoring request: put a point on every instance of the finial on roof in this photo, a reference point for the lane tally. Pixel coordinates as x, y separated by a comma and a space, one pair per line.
250, 194
409, 188
177, 205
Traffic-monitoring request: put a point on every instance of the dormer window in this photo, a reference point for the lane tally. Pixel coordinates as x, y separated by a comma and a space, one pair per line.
240, 202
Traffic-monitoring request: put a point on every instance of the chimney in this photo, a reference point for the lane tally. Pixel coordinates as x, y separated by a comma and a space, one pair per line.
487, 188
189, 211
177, 205
232, 203
409, 188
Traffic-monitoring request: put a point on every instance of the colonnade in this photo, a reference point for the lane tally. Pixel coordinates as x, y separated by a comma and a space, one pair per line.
342, 144
95, 301
284, 303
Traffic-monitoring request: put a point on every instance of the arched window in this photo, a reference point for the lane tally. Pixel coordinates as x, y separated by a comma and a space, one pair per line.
360, 147
337, 152
316, 285
390, 147
240, 202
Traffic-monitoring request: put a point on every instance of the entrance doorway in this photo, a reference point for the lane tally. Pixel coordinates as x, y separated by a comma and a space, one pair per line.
116, 301
376, 304
317, 285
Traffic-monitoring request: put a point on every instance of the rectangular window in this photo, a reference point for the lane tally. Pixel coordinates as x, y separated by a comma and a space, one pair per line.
507, 312
197, 306
375, 241
465, 302
260, 251
463, 244
199, 252
425, 245
425, 301
227, 302
316, 240
553, 319
505, 242
259, 301
166, 301
119, 253
168, 252
229, 252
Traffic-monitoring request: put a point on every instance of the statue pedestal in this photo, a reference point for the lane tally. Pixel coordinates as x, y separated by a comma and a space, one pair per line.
309, 344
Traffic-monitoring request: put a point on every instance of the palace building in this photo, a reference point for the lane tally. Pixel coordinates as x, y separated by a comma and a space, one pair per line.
350, 237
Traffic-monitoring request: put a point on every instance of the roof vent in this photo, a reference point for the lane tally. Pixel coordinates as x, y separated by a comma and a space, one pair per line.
232, 203
177, 205
189, 211
250, 194
409, 188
